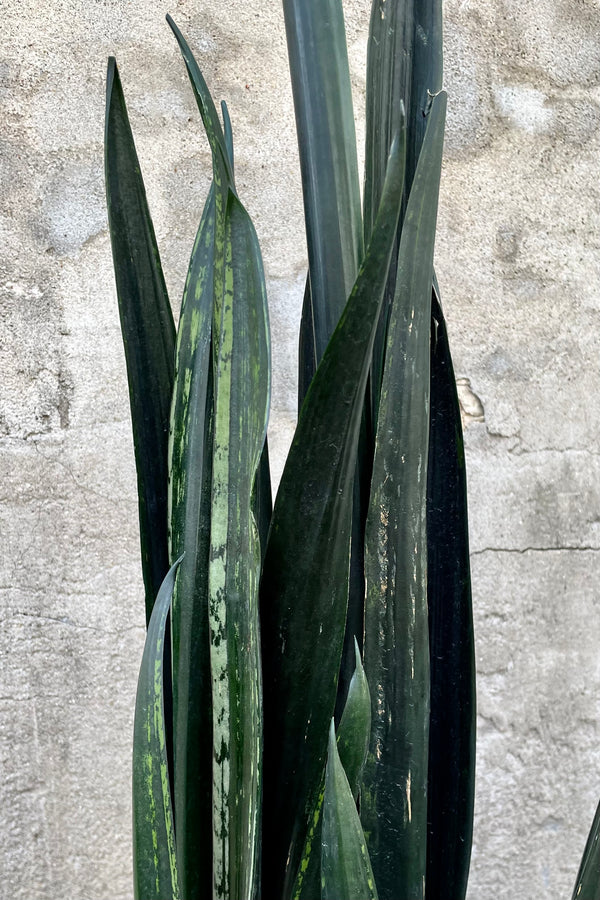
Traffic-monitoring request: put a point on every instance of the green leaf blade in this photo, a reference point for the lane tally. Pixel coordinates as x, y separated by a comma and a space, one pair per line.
147, 328
353, 743
223, 164
325, 123
396, 650
345, 866
154, 856
242, 391
305, 573
190, 467
451, 779
587, 885
354, 730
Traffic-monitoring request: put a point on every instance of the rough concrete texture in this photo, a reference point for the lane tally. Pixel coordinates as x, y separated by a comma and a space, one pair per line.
518, 261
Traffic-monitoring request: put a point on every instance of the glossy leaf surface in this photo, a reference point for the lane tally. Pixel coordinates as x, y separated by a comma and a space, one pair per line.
345, 866
305, 575
451, 779
396, 650
147, 328
154, 858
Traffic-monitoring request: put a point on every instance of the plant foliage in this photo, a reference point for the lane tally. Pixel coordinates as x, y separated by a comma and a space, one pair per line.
348, 603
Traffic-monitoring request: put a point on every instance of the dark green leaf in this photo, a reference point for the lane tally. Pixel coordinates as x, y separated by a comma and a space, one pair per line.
147, 327
190, 477
227, 132
353, 742
305, 575
307, 351
262, 498
451, 780
354, 730
327, 143
404, 69
345, 867
587, 886
154, 858
396, 650
427, 74
222, 164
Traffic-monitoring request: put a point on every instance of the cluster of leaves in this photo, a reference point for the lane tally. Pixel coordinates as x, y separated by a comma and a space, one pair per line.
257, 739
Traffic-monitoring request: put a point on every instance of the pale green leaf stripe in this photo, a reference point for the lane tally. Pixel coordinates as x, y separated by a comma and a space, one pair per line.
242, 390
154, 857
345, 866
396, 650
191, 632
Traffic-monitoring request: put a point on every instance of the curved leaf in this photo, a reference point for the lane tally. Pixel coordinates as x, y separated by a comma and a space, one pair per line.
396, 649
345, 866
214, 132
154, 858
305, 574
587, 886
451, 779
147, 328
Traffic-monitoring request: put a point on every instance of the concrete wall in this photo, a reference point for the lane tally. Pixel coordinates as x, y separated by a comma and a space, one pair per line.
518, 260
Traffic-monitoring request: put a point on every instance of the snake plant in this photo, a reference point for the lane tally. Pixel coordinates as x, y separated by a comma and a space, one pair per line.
304, 723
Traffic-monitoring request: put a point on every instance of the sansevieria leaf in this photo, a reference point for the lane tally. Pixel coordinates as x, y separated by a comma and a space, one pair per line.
353, 742
345, 866
396, 649
587, 886
242, 390
147, 327
322, 92
451, 778
154, 858
190, 468
240, 368
305, 574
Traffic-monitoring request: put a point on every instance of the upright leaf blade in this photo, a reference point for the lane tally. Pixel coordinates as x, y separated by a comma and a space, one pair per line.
242, 390
305, 574
353, 743
404, 71
345, 866
396, 650
451, 779
587, 886
193, 700
190, 468
327, 143
154, 858
147, 327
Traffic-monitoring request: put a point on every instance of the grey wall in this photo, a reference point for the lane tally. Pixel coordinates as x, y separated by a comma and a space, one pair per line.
518, 261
